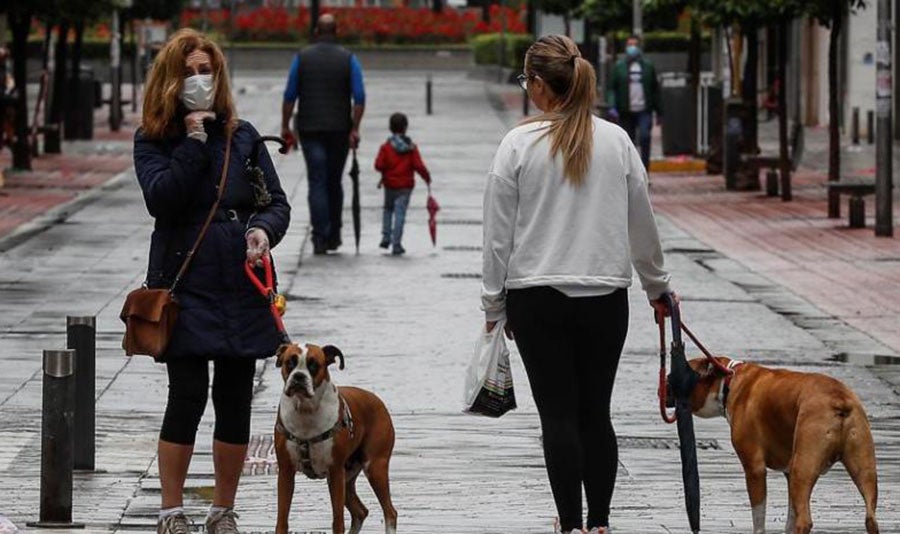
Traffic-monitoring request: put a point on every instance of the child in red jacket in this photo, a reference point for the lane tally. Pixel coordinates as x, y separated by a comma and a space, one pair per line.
398, 161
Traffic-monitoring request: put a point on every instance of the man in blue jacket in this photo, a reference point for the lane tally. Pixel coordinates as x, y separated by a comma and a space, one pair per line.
633, 96
323, 79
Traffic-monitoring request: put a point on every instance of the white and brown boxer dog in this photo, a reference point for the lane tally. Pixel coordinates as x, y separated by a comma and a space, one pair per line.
796, 423
329, 432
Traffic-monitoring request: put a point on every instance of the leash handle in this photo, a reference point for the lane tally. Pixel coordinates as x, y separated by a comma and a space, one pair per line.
662, 389
267, 290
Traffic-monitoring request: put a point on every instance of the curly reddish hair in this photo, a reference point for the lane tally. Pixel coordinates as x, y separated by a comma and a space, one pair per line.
162, 95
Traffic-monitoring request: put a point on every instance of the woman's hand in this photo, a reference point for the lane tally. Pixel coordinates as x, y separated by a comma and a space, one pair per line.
257, 245
193, 123
489, 326
661, 305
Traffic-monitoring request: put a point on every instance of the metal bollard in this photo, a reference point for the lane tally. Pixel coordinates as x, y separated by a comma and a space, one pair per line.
81, 335
772, 183
731, 153
854, 127
870, 127
57, 444
857, 212
428, 96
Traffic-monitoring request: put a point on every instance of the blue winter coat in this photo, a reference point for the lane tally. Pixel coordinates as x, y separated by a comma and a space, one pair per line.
221, 314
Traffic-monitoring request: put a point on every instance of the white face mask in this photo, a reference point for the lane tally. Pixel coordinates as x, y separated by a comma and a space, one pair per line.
197, 93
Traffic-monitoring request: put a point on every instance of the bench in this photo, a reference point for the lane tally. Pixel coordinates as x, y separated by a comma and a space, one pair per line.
797, 144
857, 189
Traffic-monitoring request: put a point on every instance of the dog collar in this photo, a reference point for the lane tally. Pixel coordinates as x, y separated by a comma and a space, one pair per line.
345, 420
725, 386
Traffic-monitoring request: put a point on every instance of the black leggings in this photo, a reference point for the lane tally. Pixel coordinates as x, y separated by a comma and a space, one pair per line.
232, 393
571, 349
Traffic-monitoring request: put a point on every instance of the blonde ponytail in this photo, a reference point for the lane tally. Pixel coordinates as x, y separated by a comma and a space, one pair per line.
558, 62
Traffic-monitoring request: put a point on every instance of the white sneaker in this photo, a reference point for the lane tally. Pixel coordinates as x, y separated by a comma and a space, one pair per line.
556, 529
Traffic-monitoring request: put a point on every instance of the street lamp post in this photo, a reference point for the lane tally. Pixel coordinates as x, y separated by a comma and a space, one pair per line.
884, 87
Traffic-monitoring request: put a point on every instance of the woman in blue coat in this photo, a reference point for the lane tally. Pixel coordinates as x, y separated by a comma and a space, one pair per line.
179, 154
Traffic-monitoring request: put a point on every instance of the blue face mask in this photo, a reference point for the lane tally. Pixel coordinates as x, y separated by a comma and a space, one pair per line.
632, 51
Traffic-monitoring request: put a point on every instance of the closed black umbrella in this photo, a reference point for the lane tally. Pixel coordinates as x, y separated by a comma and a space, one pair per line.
354, 176
682, 381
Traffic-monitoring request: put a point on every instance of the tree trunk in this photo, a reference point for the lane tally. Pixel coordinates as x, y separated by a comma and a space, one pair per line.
74, 129
694, 54
43, 88
750, 88
784, 157
834, 122
20, 24
57, 102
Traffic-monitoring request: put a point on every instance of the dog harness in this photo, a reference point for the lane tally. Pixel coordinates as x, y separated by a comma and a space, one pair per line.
345, 420
725, 386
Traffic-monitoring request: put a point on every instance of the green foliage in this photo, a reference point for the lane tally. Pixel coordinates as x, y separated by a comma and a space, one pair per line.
757, 12
486, 49
616, 15
607, 15
825, 11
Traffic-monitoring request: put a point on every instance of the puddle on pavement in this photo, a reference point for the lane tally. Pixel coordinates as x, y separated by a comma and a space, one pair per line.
865, 359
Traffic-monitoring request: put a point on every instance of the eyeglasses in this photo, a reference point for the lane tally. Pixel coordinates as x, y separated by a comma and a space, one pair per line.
523, 80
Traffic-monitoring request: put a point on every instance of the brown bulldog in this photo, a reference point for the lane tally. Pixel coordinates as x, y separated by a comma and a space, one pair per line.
329, 432
796, 423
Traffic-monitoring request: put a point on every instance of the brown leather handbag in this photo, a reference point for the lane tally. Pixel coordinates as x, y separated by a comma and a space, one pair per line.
150, 314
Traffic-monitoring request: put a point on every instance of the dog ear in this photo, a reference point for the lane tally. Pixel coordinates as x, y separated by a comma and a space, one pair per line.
279, 353
332, 352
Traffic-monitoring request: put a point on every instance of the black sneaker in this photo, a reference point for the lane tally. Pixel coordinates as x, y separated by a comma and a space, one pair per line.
398, 250
334, 243
385, 243
319, 249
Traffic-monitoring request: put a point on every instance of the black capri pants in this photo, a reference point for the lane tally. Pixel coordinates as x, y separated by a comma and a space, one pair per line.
232, 394
571, 349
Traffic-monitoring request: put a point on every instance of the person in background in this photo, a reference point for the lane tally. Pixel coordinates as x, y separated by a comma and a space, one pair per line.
179, 154
566, 216
322, 80
398, 160
633, 96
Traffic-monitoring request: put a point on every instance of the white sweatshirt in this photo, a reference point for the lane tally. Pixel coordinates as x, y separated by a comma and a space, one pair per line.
542, 230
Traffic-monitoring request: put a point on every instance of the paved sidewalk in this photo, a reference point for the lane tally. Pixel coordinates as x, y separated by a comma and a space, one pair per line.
60, 183
407, 326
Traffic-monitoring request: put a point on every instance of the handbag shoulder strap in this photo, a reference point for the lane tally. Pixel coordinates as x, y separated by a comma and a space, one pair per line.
209, 217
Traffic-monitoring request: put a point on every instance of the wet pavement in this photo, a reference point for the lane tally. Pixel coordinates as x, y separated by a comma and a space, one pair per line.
407, 326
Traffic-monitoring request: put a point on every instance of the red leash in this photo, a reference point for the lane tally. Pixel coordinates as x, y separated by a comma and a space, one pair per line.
661, 391
267, 290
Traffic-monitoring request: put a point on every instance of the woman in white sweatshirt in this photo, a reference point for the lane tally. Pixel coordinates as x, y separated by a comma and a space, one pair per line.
566, 215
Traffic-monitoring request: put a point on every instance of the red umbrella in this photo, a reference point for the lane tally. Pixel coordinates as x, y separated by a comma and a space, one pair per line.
433, 208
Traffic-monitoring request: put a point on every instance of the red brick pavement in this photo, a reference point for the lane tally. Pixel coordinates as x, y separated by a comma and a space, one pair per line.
59, 178
848, 273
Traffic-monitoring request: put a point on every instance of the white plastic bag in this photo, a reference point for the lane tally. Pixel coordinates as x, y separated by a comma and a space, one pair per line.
489, 382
